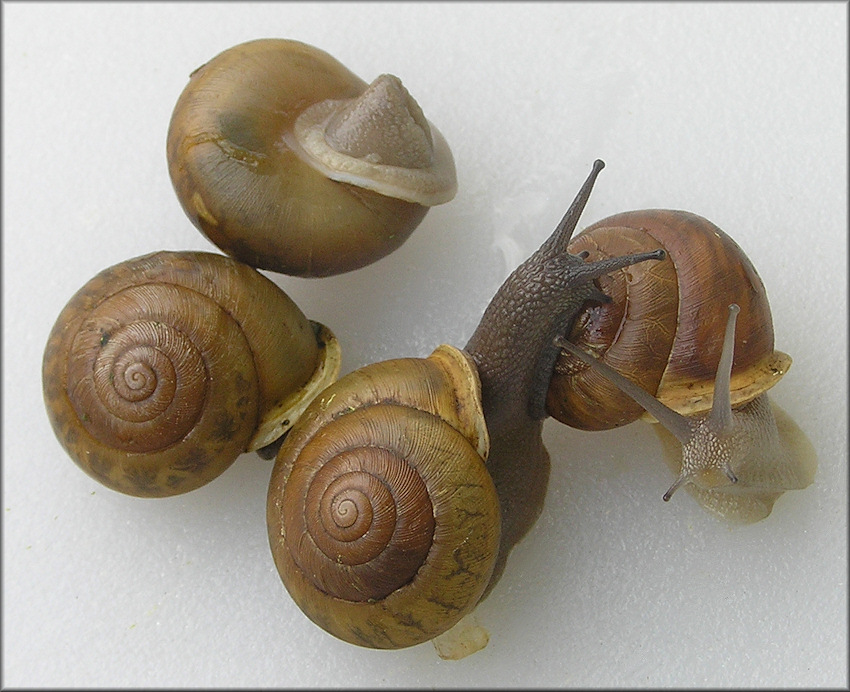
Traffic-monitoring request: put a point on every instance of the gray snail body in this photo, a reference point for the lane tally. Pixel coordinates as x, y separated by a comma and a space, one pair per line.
514, 350
663, 343
493, 393
736, 461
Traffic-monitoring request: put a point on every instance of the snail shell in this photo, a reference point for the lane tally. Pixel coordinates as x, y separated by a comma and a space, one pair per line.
162, 369
663, 328
383, 520
660, 344
288, 161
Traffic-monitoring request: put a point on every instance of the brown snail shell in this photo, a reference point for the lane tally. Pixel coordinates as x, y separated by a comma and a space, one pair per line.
289, 162
664, 325
162, 369
383, 520
690, 341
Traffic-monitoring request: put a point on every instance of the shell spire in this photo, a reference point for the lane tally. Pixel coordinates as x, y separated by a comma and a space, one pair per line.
161, 370
383, 520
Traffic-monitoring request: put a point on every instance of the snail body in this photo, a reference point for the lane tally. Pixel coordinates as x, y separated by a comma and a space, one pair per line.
162, 369
288, 161
498, 388
666, 329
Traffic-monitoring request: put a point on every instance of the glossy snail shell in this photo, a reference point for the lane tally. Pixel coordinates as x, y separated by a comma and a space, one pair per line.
383, 520
289, 162
162, 369
663, 326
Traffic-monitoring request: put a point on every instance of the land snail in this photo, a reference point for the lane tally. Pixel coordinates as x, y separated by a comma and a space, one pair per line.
397, 497
289, 162
161, 370
663, 348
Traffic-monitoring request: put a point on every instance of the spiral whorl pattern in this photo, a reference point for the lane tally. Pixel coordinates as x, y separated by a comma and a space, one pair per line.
130, 376
373, 521
140, 376
383, 519
160, 369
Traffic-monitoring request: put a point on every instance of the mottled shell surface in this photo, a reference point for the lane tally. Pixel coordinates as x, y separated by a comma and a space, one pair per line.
162, 369
664, 325
241, 182
383, 520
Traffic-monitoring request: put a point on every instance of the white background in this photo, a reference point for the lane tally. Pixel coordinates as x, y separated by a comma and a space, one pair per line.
736, 112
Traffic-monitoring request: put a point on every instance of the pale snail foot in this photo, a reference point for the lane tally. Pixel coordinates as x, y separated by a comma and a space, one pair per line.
751, 500
264, 133
380, 141
465, 638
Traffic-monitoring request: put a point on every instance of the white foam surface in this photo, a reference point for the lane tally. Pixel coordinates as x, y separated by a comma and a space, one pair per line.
737, 112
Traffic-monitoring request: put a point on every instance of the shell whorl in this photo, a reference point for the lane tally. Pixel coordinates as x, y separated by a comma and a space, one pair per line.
383, 520
142, 366
158, 372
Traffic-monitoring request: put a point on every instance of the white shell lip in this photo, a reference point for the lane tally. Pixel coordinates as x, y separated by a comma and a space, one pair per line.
287, 411
430, 186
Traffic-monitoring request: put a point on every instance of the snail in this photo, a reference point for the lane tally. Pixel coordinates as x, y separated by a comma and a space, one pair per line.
666, 329
395, 499
162, 369
289, 162
739, 461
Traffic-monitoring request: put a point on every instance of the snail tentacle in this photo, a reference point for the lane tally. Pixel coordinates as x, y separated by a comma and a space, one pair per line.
514, 350
723, 448
707, 442
678, 425
560, 238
